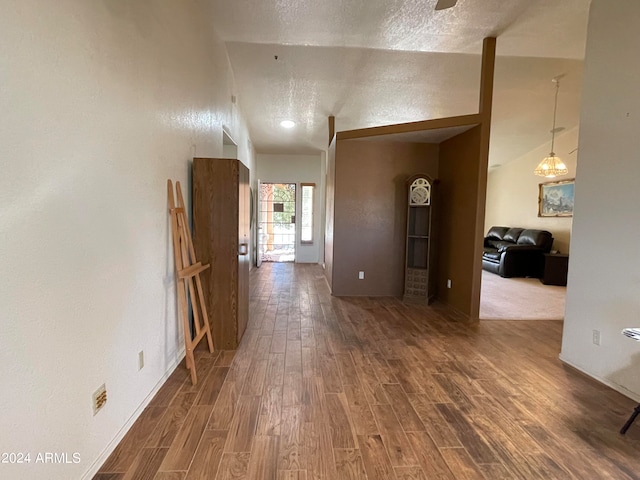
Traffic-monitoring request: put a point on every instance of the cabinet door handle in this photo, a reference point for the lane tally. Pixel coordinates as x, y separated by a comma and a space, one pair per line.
243, 249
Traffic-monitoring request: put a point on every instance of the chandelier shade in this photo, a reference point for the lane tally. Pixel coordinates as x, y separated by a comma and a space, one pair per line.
551, 166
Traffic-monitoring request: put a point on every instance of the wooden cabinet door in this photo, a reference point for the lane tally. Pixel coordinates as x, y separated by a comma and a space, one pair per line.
244, 255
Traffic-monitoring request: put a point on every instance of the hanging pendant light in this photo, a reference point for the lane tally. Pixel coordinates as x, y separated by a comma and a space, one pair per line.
552, 166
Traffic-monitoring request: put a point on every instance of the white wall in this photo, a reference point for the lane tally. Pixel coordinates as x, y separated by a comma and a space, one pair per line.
512, 191
101, 103
604, 278
299, 169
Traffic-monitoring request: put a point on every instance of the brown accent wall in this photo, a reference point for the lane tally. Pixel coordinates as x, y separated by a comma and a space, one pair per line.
329, 202
367, 230
370, 213
458, 191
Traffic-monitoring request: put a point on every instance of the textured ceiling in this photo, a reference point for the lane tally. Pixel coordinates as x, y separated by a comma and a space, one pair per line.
379, 62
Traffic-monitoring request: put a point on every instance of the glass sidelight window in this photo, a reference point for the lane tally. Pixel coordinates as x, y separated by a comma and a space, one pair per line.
307, 196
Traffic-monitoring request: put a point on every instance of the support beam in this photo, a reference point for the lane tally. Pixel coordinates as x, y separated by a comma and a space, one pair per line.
332, 128
486, 75
486, 102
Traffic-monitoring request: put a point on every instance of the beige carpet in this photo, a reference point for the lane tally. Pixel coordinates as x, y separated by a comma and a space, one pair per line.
520, 299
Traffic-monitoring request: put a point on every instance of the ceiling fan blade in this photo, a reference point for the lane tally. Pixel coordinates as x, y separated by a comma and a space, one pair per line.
444, 4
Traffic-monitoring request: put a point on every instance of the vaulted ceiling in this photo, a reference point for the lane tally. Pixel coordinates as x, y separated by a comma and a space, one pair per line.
379, 62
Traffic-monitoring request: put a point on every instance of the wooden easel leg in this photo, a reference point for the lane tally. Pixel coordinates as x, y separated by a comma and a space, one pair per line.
194, 305
205, 316
188, 347
192, 370
634, 414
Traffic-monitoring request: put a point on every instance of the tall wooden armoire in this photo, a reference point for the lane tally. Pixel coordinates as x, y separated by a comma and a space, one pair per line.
221, 225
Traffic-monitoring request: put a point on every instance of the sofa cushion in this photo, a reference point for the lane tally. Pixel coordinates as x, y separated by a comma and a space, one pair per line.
502, 245
539, 238
496, 233
512, 235
492, 255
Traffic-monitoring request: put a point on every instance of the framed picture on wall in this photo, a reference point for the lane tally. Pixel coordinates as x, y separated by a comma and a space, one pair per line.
555, 199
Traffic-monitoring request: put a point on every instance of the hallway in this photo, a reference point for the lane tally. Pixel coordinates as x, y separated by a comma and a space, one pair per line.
370, 388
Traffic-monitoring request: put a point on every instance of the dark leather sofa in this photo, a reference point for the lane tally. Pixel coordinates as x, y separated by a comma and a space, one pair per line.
516, 252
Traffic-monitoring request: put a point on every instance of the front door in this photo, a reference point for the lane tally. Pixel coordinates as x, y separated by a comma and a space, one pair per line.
277, 217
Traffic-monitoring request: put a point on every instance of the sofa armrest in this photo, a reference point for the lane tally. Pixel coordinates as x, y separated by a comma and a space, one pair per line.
522, 261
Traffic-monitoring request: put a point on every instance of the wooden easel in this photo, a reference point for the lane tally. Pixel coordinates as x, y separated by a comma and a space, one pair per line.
187, 268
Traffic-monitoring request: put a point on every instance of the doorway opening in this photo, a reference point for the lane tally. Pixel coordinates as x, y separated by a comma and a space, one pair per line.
277, 222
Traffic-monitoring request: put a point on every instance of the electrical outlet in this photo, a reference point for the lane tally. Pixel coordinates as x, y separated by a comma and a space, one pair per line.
140, 359
596, 337
449, 283
360, 275
99, 398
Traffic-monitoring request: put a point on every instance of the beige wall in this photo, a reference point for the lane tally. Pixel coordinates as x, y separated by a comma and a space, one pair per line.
370, 213
101, 103
602, 292
512, 191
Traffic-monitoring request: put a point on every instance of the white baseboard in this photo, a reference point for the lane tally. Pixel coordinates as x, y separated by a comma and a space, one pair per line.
95, 466
618, 388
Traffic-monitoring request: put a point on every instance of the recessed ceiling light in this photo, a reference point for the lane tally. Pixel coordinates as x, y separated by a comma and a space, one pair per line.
287, 124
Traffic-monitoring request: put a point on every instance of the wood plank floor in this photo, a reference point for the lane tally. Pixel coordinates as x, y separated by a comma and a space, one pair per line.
370, 388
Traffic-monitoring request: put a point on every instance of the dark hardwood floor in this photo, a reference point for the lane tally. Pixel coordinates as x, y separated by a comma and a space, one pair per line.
371, 388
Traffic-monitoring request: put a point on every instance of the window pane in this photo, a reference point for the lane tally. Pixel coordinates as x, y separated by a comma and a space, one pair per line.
307, 213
